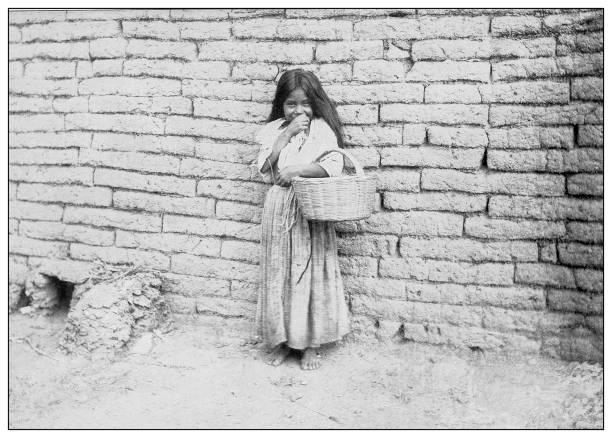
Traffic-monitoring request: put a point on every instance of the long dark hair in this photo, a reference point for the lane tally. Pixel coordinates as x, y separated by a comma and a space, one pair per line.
322, 105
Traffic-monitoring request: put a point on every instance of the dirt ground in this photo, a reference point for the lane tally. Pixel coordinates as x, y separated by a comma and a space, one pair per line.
203, 374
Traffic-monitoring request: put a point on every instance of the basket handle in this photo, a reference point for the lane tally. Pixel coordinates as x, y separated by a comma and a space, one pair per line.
347, 154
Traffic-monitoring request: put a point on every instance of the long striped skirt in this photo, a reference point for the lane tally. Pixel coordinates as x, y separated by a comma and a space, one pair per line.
301, 296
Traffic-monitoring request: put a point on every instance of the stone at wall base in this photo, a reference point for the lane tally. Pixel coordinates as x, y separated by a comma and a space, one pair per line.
111, 316
578, 345
15, 293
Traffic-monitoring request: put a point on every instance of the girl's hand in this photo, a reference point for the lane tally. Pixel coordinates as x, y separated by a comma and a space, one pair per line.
284, 176
297, 125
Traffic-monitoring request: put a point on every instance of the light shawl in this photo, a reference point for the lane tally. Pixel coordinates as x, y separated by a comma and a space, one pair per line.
301, 149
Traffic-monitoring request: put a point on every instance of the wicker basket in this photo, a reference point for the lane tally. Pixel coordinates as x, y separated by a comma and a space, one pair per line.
335, 199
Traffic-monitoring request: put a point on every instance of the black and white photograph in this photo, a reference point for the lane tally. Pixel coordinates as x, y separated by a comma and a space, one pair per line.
308, 218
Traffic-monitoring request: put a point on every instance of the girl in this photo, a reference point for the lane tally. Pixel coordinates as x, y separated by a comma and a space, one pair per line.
301, 299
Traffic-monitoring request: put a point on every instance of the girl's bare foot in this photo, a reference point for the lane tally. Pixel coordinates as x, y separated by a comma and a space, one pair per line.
311, 359
278, 355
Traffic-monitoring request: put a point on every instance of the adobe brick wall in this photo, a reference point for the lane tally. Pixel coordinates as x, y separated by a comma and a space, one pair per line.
131, 141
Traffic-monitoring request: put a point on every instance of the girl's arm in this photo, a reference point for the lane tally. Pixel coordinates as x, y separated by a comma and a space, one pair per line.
278, 146
313, 171
306, 170
298, 124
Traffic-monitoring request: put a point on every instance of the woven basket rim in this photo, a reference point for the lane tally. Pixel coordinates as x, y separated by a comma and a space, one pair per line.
332, 178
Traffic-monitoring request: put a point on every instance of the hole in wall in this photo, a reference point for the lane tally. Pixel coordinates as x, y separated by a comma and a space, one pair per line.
23, 300
62, 291
483, 163
476, 349
399, 14
401, 331
399, 336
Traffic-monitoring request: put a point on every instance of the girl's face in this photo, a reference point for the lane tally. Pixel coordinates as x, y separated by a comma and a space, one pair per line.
297, 103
